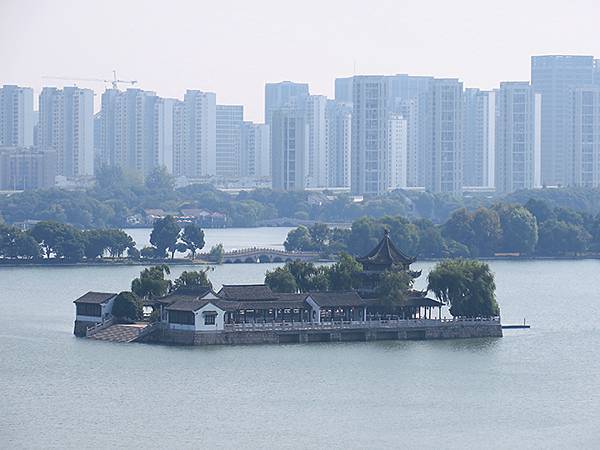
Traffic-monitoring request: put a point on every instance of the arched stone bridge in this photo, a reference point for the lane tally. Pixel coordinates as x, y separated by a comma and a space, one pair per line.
266, 255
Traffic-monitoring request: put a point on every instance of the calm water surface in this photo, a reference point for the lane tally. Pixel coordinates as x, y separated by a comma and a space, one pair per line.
538, 388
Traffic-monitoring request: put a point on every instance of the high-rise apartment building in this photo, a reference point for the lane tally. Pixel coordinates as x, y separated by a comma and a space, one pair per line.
279, 95
67, 126
397, 152
23, 169
518, 137
194, 135
16, 116
162, 133
555, 77
409, 97
338, 122
256, 150
229, 119
343, 90
315, 107
289, 150
440, 154
370, 148
479, 138
134, 131
585, 136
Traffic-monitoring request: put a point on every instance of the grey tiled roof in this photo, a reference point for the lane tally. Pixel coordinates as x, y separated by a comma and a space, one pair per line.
338, 298
246, 292
95, 297
187, 304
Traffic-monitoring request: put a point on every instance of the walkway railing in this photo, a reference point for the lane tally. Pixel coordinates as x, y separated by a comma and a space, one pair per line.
379, 324
99, 326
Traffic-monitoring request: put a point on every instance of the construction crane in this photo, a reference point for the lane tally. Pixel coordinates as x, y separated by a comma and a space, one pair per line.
114, 82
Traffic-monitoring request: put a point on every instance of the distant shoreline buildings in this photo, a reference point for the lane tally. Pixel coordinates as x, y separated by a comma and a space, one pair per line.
379, 133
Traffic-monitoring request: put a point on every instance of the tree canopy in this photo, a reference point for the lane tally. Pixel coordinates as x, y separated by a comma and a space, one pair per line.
152, 282
127, 306
468, 286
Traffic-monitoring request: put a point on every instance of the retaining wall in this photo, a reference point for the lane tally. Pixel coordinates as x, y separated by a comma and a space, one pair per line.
443, 331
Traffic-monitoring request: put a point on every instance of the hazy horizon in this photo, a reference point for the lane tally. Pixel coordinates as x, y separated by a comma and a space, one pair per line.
233, 48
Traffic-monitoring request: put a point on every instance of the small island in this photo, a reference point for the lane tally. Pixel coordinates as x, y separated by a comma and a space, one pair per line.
363, 299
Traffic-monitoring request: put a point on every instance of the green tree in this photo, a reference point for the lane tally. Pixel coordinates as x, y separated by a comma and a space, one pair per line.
193, 238
519, 228
95, 243
49, 235
127, 307
468, 286
193, 279
308, 277
299, 239
281, 280
319, 232
27, 247
560, 238
118, 242
343, 274
216, 253
152, 282
487, 231
393, 289
160, 180
431, 241
459, 228
165, 234
540, 209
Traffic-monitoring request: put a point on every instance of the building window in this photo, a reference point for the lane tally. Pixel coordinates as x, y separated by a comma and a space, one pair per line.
210, 318
89, 309
181, 317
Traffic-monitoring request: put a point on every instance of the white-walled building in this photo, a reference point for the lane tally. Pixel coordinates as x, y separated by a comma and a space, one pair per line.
289, 150
343, 90
315, 108
554, 76
518, 137
397, 152
67, 126
279, 95
585, 136
442, 147
132, 130
479, 138
16, 116
229, 119
369, 135
256, 150
338, 123
194, 135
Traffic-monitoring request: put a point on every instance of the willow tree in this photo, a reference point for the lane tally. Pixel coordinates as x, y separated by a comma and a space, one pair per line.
468, 286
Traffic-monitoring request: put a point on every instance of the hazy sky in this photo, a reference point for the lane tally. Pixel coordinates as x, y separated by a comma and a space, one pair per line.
232, 47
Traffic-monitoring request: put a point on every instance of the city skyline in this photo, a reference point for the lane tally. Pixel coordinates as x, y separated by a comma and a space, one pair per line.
187, 46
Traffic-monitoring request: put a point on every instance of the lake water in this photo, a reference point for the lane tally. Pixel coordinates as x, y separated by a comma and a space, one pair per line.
538, 388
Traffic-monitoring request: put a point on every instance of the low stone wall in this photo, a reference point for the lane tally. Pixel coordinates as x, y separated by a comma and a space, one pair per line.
81, 327
456, 330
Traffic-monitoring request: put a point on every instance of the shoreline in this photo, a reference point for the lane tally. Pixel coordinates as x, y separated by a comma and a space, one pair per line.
188, 262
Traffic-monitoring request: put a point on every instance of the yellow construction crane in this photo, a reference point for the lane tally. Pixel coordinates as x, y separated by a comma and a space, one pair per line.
114, 82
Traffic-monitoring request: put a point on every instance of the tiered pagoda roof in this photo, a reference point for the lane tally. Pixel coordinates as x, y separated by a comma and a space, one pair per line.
386, 254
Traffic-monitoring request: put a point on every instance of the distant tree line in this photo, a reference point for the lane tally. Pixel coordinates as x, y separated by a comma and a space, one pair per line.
53, 240
117, 195
536, 228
